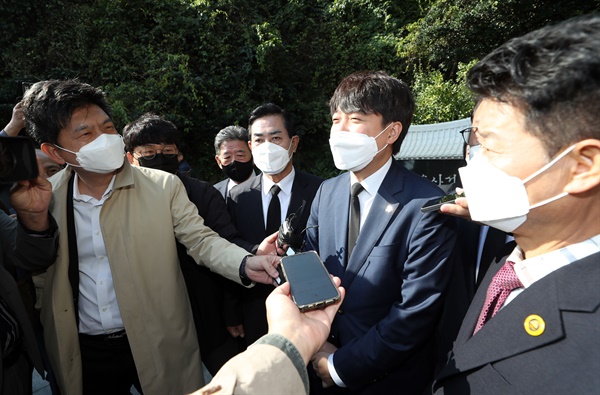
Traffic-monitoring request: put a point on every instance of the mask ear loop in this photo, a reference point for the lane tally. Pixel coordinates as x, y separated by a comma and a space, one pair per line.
544, 168
549, 164
380, 133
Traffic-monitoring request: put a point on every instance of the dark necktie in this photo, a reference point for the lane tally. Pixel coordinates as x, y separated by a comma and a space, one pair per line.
274, 211
501, 286
494, 241
354, 226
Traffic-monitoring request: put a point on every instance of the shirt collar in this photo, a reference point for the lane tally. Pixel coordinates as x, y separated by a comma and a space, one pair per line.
533, 269
285, 184
78, 196
374, 181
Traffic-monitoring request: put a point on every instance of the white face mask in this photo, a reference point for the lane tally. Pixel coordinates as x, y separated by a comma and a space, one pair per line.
354, 151
103, 155
497, 199
271, 158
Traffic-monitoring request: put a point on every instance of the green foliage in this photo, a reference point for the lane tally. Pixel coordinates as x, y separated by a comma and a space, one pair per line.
440, 100
205, 64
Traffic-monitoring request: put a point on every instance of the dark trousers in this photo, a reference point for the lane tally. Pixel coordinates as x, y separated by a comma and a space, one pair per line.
107, 364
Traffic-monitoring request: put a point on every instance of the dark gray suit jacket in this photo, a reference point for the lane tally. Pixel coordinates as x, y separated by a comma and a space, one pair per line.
31, 253
221, 186
502, 358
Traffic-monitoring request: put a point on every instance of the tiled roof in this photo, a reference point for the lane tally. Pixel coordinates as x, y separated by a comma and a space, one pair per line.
434, 141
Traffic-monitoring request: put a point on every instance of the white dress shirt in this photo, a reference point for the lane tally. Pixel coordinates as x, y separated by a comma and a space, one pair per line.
98, 309
284, 195
531, 270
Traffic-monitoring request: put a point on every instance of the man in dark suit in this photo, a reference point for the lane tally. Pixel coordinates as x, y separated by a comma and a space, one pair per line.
30, 243
394, 261
234, 158
260, 205
533, 324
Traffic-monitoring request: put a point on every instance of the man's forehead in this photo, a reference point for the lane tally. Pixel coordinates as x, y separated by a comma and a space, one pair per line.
270, 133
234, 145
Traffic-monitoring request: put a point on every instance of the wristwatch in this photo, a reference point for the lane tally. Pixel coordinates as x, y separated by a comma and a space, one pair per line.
245, 280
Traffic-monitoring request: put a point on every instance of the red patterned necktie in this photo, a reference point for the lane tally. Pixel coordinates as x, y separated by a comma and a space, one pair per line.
501, 286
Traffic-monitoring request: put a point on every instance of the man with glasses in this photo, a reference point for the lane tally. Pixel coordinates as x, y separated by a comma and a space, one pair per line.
478, 245
532, 327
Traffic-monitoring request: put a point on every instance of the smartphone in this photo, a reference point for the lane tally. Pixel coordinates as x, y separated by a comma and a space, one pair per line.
17, 159
435, 204
310, 283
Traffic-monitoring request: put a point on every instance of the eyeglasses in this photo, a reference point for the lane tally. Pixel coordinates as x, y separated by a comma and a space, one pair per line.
466, 135
150, 152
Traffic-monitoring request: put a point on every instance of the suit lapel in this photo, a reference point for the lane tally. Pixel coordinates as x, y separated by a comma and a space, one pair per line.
298, 198
384, 208
505, 335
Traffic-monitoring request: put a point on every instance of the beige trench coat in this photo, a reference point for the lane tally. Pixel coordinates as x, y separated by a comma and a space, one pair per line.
138, 221
268, 367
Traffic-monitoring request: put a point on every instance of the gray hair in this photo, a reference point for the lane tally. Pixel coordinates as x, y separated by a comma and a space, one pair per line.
228, 134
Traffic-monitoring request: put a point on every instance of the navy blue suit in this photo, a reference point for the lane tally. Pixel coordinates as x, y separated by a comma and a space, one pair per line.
245, 207
395, 281
502, 358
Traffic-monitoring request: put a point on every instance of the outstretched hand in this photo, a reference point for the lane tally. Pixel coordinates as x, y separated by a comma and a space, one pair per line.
262, 269
307, 330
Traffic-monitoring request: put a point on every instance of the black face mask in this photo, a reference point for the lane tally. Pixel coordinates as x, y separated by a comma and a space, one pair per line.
161, 162
238, 171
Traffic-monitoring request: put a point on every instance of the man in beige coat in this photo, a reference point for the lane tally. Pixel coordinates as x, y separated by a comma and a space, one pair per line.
118, 224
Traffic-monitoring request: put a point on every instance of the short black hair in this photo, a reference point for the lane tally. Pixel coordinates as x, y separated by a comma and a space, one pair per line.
49, 105
376, 92
267, 109
150, 129
552, 75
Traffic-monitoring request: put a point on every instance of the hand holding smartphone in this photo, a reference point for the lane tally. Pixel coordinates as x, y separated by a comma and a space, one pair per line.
435, 204
311, 285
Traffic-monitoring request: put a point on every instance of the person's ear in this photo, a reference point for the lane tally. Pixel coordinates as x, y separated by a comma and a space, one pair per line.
394, 132
585, 172
218, 161
295, 142
131, 159
52, 152
250, 144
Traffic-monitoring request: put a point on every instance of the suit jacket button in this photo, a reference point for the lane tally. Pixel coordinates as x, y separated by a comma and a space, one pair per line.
340, 312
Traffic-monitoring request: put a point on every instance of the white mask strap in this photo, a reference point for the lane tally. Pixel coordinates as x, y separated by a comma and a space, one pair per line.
549, 164
382, 148
74, 153
559, 196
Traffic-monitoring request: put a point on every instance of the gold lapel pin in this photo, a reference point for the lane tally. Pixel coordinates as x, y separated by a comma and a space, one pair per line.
534, 325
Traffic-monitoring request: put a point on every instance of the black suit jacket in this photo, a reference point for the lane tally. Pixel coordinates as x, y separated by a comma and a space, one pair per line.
212, 299
502, 358
245, 208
